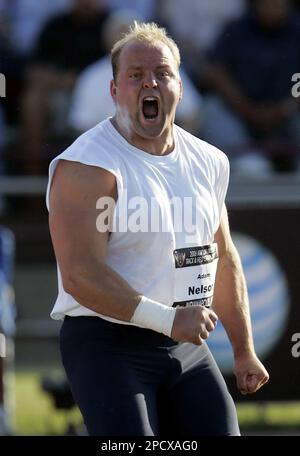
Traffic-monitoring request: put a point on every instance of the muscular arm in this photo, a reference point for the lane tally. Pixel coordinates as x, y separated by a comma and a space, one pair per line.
232, 307
230, 296
79, 247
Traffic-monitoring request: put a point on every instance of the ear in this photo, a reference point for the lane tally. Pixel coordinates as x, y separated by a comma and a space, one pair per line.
181, 90
113, 90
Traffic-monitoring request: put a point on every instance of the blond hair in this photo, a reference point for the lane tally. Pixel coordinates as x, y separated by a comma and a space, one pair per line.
149, 33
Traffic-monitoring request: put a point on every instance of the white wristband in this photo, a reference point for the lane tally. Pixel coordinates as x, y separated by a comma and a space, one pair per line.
153, 315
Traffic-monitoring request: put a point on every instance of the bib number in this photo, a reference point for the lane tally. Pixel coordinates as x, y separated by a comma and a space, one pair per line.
195, 273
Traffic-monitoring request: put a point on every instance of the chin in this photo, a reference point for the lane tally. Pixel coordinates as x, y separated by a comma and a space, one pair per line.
151, 128
152, 131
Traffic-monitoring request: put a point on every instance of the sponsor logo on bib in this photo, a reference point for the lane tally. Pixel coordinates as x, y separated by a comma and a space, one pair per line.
195, 272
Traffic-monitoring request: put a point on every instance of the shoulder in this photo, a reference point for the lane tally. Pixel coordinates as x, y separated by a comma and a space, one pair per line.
81, 185
82, 181
87, 167
91, 146
202, 150
94, 148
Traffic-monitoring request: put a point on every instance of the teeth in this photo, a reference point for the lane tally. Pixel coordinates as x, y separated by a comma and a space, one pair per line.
149, 99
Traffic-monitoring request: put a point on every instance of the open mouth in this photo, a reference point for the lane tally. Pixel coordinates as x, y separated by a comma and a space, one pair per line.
150, 108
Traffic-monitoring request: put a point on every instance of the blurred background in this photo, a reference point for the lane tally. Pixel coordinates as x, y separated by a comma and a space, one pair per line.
241, 73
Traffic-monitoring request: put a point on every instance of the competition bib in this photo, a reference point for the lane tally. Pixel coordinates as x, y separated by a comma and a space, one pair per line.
195, 273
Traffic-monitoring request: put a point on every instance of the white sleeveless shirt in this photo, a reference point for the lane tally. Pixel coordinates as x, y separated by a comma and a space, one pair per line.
149, 224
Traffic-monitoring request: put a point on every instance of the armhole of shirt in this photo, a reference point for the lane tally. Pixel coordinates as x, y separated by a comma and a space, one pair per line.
53, 166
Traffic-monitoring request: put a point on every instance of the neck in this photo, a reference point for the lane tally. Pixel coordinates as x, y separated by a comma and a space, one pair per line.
158, 145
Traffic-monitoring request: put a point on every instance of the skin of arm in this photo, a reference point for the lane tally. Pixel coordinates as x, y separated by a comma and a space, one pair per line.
232, 307
79, 247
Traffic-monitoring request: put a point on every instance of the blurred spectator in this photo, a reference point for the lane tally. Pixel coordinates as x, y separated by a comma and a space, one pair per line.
2, 123
67, 44
297, 12
195, 24
92, 101
144, 8
3, 128
252, 65
7, 329
2, 144
26, 19
11, 66
2, 132
3, 138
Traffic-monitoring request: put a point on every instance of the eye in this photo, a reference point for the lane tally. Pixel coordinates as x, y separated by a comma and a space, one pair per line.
163, 74
135, 76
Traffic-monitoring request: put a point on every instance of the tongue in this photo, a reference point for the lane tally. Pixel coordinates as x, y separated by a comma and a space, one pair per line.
150, 108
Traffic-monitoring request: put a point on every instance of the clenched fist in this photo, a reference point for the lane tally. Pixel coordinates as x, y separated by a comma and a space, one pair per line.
193, 324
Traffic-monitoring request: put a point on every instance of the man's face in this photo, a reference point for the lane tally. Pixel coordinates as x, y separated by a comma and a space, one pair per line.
147, 89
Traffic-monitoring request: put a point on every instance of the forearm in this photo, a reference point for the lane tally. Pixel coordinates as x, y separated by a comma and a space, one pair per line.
232, 307
104, 291
231, 302
99, 288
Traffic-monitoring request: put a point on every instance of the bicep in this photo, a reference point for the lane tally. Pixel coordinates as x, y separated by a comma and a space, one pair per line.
222, 235
73, 213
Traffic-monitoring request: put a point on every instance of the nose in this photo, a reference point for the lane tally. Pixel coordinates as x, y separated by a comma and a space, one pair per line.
149, 82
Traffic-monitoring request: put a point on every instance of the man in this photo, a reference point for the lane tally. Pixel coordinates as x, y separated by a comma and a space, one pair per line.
198, 25
133, 351
67, 44
255, 108
91, 100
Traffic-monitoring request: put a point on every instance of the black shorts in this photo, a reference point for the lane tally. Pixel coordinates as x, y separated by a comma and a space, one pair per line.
130, 381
